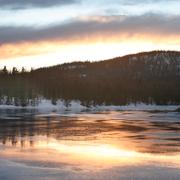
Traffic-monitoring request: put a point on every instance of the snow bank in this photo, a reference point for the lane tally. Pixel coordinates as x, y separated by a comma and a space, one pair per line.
75, 106
140, 107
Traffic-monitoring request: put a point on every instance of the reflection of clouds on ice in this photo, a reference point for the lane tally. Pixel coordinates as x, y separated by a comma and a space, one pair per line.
10, 170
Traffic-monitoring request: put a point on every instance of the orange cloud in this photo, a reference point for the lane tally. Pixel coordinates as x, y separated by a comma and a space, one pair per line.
12, 50
26, 49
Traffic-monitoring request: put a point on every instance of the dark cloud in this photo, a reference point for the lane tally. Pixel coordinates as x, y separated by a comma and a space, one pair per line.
26, 4
148, 24
22, 4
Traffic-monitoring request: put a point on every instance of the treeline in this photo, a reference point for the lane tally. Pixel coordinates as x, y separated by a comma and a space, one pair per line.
152, 77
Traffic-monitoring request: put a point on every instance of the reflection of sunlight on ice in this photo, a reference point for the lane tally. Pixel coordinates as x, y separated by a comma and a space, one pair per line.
92, 150
90, 153
101, 140
97, 154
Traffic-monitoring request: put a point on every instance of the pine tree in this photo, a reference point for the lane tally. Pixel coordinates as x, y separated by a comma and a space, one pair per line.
5, 71
14, 71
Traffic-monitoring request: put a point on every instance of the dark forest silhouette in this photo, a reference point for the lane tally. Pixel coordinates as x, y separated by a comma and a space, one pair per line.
152, 77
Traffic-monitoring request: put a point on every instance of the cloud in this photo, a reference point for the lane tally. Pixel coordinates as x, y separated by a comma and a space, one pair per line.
100, 26
23, 4
134, 2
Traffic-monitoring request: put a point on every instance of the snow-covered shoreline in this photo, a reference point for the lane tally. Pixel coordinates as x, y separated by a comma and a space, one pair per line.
76, 106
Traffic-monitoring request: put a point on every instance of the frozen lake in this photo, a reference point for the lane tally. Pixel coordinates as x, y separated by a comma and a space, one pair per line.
89, 145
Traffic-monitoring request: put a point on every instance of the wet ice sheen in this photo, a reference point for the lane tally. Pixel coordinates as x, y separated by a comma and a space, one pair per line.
99, 145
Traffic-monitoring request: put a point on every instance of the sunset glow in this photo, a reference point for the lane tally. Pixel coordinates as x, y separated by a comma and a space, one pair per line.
30, 34
89, 89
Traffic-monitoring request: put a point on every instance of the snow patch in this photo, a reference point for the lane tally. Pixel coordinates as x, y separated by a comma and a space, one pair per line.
45, 105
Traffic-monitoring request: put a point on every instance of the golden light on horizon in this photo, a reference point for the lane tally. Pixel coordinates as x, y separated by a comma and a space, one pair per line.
47, 53
92, 47
106, 40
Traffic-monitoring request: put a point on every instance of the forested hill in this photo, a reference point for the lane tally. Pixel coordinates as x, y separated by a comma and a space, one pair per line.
146, 64
150, 77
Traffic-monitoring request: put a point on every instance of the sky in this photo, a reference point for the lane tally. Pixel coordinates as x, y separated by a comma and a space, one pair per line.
38, 33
